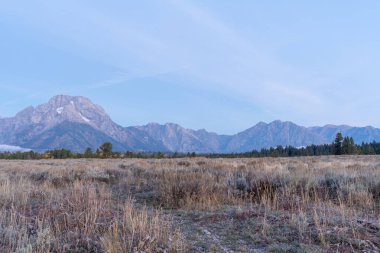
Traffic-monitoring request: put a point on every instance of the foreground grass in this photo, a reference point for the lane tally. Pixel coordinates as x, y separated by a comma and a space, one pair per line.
318, 204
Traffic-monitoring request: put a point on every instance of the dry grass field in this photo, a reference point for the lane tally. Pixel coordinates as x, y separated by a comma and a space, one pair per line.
308, 204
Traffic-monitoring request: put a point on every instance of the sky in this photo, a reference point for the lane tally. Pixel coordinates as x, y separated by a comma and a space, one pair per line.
219, 65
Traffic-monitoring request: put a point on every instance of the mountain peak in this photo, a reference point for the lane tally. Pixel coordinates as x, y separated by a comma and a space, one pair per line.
77, 102
280, 122
74, 109
60, 99
61, 108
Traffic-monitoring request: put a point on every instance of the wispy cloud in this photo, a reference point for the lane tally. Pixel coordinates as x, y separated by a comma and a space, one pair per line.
228, 61
249, 69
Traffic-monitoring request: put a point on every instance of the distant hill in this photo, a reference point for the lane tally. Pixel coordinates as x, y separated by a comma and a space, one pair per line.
76, 123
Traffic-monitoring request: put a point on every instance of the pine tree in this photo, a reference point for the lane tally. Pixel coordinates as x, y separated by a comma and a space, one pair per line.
88, 153
106, 149
338, 144
352, 146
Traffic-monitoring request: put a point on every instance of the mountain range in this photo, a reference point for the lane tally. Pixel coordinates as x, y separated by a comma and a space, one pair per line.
76, 123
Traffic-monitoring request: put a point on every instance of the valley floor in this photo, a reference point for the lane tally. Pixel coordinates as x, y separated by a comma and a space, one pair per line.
306, 204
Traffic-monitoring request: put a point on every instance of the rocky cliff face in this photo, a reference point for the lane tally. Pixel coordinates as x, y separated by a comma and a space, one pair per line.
276, 133
76, 123
176, 138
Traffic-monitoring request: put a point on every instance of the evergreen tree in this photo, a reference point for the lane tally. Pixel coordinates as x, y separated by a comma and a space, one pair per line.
88, 153
352, 146
338, 144
105, 150
348, 146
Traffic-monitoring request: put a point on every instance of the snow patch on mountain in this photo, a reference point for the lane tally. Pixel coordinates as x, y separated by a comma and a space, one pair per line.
83, 117
59, 110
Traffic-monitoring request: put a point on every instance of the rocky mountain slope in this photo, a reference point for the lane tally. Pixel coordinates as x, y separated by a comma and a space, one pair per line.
70, 122
76, 123
273, 134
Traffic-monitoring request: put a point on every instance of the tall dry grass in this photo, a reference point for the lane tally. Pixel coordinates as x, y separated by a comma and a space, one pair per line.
122, 205
63, 207
330, 201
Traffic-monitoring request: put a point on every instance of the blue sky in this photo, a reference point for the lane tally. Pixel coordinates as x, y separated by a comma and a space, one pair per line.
219, 65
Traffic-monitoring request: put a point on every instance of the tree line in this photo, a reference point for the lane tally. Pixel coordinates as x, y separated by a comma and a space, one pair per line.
340, 146
103, 151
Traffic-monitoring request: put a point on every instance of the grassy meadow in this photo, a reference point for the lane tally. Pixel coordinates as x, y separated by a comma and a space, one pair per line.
305, 204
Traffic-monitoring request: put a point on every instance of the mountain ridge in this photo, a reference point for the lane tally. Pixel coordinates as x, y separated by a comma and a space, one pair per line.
75, 123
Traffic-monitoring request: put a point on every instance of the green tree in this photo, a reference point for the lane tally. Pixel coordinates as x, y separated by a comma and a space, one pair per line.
348, 146
338, 144
88, 153
105, 150
368, 149
352, 148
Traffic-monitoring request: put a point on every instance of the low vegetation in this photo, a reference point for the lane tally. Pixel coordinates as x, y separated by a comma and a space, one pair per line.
304, 204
